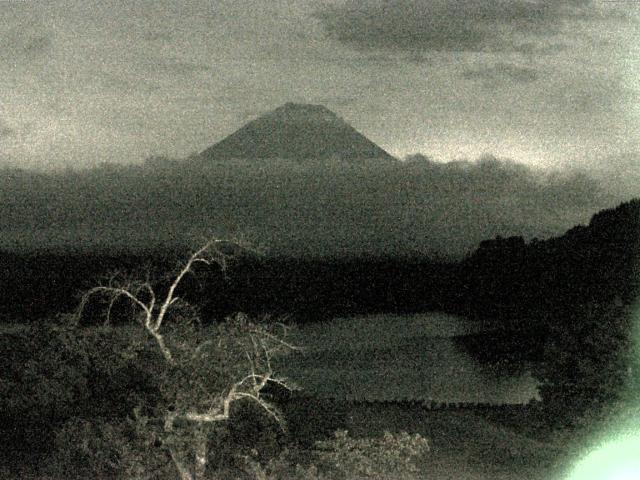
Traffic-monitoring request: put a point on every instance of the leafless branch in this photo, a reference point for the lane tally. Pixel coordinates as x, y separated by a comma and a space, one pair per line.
202, 255
280, 341
266, 406
112, 292
239, 336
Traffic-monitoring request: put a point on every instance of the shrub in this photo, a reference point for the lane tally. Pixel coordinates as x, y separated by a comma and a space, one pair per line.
347, 458
587, 364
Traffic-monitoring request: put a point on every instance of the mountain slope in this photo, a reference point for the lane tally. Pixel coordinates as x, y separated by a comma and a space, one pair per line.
296, 132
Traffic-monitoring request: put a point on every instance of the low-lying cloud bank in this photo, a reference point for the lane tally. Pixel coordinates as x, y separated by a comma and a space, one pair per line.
414, 207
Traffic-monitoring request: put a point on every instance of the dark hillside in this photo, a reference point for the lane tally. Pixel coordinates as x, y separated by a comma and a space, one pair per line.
566, 306
515, 283
39, 285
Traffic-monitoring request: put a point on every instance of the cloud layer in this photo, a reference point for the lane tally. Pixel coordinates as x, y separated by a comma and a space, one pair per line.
501, 71
331, 208
448, 25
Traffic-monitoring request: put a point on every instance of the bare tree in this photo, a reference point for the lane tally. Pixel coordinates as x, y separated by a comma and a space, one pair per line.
202, 370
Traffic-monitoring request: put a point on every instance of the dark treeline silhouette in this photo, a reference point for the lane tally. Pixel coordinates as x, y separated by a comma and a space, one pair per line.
318, 289
520, 284
565, 307
526, 289
515, 284
39, 285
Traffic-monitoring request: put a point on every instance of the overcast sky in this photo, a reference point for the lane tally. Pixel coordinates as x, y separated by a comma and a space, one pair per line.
542, 82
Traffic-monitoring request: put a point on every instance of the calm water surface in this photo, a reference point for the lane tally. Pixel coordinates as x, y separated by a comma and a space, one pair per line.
382, 357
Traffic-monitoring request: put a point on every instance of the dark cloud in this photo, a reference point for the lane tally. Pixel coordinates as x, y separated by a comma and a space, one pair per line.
593, 94
5, 130
24, 43
537, 48
447, 25
291, 208
621, 172
501, 72
36, 44
158, 35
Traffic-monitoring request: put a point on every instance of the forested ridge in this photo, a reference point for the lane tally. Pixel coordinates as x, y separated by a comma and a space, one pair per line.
506, 280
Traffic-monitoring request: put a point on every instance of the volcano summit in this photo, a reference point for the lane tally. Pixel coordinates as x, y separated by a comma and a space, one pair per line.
296, 132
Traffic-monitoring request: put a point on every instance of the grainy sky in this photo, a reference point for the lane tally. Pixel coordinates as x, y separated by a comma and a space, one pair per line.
542, 82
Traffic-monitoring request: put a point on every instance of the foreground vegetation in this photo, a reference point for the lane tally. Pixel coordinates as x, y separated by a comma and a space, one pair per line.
173, 397
91, 403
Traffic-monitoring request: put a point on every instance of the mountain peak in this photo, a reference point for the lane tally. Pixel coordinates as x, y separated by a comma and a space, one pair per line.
303, 112
303, 107
296, 131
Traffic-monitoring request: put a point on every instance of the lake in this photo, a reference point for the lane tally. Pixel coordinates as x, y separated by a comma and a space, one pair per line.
386, 357
394, 357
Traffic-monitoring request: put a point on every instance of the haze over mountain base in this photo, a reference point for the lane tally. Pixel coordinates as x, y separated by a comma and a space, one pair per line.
319, 208
299, 181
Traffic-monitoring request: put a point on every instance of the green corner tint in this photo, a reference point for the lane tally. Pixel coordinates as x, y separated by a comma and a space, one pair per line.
618, 459
617, 454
